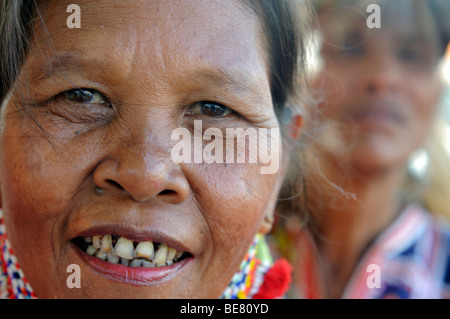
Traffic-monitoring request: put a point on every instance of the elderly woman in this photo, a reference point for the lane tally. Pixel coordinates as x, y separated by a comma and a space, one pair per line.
87, 177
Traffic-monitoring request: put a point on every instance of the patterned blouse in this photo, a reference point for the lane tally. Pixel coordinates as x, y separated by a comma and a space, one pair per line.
408, 260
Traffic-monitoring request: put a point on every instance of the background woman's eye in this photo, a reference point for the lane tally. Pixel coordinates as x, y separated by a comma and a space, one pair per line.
354, 51
411, 55
85, 96
211, 109
417, 57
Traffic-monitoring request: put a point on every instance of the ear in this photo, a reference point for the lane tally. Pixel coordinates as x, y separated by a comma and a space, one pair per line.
295, 127
267, 223
293, 131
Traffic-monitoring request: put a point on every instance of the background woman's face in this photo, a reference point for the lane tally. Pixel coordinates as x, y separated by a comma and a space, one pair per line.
381, 87
145, 67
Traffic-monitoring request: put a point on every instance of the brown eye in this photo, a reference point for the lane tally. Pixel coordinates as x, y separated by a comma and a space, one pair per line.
211, 109
85, 96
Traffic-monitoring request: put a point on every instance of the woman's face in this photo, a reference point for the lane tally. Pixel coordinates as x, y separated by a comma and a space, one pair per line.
381, 87
100, 162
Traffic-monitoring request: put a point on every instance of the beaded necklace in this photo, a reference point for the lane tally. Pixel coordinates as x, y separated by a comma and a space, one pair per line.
13, 284
248, 282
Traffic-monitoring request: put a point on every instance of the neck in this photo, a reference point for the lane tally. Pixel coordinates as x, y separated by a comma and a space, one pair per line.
348, 227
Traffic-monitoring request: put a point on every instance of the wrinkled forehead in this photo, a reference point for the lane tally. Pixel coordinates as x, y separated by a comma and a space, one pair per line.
226, 33
401, 20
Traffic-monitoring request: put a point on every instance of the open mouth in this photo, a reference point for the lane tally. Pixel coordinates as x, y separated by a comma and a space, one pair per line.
120, 250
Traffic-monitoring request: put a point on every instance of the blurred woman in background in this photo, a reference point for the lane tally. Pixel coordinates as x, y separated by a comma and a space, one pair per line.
372, 235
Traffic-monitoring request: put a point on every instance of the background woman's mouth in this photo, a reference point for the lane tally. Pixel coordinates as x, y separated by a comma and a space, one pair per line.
379, 115
380, 112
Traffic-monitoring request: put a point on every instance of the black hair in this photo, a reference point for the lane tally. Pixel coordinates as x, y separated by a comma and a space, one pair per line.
15, 31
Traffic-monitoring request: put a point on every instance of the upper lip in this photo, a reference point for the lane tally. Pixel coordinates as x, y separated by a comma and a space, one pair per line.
384, 108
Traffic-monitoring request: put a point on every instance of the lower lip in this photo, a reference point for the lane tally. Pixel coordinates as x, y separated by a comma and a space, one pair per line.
134, 275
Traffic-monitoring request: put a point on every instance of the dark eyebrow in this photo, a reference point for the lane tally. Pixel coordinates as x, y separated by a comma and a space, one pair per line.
228, 79
415, 38
238, 81
60, 63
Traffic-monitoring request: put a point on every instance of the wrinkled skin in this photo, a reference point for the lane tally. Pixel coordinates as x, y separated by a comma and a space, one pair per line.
151, 62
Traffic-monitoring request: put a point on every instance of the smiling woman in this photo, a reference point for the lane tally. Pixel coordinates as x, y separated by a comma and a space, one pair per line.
86, 174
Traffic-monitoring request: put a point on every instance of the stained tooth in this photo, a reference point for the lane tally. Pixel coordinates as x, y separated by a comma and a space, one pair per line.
124, 261
97, 241
145, 250
124, 248
171, 252
136, 263
161, 255
147, 264
101, 255
91, 250
178, 254
88, 239
106, 245
169, 262
113, 258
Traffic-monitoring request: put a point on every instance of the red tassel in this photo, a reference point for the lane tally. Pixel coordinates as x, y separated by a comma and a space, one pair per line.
276, 281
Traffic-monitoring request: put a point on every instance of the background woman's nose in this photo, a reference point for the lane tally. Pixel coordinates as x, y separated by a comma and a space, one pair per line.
381, 75
141, 174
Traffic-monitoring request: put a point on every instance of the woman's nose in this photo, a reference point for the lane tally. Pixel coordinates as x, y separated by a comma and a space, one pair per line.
142, 171
381, 75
